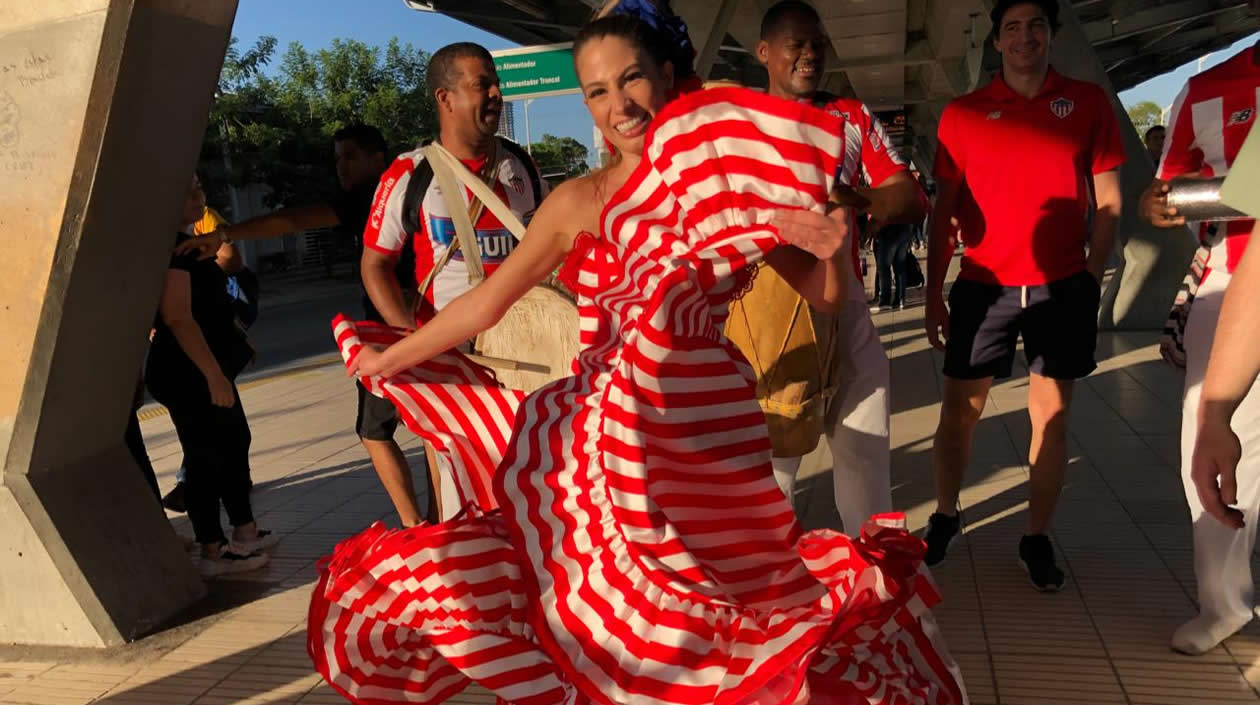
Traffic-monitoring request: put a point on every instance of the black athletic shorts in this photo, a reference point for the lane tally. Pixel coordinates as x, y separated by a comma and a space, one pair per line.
377, 419
1058, 322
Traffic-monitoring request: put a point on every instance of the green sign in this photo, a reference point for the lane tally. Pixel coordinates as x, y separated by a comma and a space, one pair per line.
537, 71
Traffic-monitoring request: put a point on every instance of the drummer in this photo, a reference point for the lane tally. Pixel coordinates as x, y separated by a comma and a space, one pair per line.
1209, 122
410, 211
793, 48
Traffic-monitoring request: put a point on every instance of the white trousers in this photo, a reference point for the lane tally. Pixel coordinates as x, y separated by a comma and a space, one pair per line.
859, 442
1222, 556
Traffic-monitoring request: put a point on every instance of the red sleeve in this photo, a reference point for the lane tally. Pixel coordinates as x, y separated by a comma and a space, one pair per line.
384, 232
1181, 155
1108, 143
950, 161
880, 158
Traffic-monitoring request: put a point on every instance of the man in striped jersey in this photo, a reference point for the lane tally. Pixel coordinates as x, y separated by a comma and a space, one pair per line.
793, 48
410, 214
1210, 119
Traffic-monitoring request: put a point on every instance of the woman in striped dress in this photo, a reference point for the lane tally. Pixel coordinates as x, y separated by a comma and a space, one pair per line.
625, 540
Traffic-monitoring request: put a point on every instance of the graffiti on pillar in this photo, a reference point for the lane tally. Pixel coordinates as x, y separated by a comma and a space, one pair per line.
10, 121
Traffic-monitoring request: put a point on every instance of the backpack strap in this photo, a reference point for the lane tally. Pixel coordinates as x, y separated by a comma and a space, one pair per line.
413, 197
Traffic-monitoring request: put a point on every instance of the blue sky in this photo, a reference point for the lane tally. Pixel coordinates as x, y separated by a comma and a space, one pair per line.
1163, 89
315, 23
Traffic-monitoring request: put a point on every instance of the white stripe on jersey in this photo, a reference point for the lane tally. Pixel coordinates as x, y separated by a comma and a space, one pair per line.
1209, 123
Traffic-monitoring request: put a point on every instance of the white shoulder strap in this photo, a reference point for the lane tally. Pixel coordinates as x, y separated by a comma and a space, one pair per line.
458, 210
483, 192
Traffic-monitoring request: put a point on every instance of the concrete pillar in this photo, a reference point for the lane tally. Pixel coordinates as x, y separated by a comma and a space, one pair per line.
103, 104
1153, 261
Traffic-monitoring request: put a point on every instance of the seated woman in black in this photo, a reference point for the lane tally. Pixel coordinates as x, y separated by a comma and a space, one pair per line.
198, 349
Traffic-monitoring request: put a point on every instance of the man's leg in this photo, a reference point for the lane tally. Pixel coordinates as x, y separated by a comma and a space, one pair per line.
883, 271
900, 254
785, 474
391, 466
1060, 331
377, 420
962, 403
859, 436
983, 331
1048, 402
1222, 556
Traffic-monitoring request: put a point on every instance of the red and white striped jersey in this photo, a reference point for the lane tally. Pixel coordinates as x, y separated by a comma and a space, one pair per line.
870, 157
387, 234
1210, 120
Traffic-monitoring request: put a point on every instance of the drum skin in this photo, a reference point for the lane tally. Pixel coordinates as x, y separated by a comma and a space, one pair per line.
541, 329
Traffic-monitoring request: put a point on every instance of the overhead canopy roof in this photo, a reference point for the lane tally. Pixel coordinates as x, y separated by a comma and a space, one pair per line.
879, 43
895, 54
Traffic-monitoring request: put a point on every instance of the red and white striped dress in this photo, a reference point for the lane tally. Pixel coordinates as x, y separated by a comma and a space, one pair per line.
640, 551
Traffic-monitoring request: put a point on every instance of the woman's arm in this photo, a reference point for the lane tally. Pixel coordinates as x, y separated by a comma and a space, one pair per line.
176, 311
548, 240
263, 227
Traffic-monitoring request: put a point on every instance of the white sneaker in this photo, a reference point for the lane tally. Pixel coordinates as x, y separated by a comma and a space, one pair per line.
232, 560
1203, 633
261, 542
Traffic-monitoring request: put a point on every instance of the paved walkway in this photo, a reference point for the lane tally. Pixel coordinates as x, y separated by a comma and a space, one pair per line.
1123, 532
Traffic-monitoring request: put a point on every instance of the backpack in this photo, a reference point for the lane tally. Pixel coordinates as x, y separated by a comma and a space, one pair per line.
243, 287
413, 197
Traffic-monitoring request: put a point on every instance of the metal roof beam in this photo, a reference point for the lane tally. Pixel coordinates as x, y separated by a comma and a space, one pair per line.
916, 54
1114, 29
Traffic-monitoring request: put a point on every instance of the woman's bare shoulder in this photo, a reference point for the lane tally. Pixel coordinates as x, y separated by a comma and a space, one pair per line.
577, 200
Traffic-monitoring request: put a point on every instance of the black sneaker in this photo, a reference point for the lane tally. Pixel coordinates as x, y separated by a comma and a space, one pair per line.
942, 530
174, 500
1036, 554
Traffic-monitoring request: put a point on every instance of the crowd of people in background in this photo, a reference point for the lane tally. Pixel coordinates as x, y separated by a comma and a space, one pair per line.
1036, 244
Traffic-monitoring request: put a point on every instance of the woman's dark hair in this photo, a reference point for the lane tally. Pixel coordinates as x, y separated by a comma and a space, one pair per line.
1049, 7
648, 25
367, 137
633, 30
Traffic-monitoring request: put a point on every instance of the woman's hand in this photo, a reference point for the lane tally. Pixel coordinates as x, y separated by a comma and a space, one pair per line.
820, 235
222, 393
206, 246
368, 363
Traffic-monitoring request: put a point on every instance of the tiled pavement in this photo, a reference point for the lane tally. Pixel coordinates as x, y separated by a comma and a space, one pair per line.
1122, 529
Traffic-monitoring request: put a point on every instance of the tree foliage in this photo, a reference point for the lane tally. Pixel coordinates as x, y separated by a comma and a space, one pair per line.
1145, 115
559, 155
275, 127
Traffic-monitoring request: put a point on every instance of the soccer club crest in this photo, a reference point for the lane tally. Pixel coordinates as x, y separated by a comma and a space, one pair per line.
517, 184
1062, 107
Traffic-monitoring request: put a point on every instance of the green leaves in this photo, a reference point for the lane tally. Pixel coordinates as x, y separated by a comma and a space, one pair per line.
559, 158
1144, 115
273, 120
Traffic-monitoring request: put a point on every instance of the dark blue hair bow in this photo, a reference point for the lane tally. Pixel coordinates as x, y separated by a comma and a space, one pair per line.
671, 28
